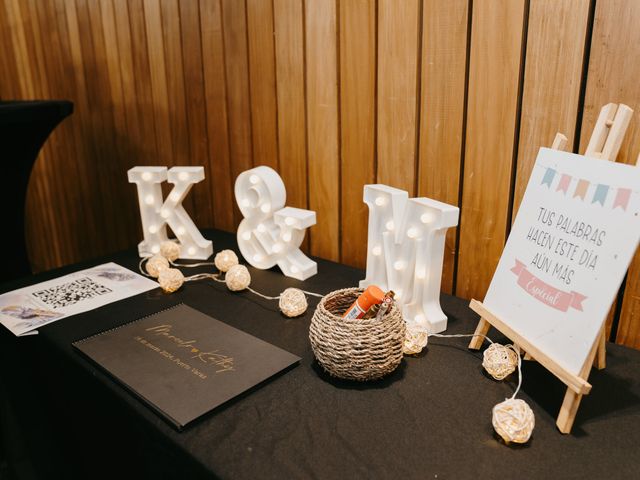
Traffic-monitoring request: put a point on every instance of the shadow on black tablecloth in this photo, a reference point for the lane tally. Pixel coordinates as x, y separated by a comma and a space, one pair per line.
395, 376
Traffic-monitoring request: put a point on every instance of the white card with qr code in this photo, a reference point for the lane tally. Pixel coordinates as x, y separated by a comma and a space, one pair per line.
23, 311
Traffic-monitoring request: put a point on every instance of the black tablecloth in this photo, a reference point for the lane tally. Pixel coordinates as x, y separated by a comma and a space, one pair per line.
429, 419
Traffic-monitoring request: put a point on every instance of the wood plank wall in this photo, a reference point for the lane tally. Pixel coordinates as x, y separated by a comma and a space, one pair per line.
443, 99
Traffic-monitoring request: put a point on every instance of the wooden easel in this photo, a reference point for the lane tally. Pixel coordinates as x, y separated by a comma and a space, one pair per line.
605, 143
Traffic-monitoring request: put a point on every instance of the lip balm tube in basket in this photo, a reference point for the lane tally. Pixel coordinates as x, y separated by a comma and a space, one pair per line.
371, 296
380, 309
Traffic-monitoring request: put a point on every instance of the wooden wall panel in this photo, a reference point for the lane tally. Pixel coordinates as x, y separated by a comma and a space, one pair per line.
551, 93
174, 74
159, 90
16, 31
494, 71
262, 74
23, 54
292, 139
612, 74
444, 58
129, 133
613, 77
237, 71
122, 48
217, 123
112, 55
55, 168
398, 62
117, 153
135, 34
357, 123
110, 154
449, 100
75, 149
198, 143
322, 125
9, 88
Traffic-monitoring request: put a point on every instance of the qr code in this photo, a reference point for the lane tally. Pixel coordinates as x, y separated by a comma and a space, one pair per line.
70, 293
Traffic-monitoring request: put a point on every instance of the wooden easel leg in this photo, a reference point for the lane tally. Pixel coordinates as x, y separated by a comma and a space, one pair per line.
481, 329
523, 353
560, 142
568, 411
572, 399
600, 361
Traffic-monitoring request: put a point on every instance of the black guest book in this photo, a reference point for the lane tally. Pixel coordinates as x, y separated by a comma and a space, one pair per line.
184, 363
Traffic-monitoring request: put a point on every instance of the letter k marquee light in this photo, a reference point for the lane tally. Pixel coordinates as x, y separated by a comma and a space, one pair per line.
157, 213
405, 251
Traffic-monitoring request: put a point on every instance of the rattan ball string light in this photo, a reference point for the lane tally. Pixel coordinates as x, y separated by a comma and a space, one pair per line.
292, 301
513, 420
155, 264
237, 278
415, 339
170, 250
500, 361
170, 279
225, 259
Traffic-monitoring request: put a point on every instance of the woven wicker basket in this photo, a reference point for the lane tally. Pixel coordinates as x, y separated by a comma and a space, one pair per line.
355, 349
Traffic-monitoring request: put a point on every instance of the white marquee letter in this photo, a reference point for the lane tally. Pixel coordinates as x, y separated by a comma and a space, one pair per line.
271, 233
157, 214
405, 251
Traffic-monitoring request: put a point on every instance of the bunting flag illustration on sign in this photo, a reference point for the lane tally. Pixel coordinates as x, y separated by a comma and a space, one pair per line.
600, 193
622, 198
581, 189
548, 177
563, 186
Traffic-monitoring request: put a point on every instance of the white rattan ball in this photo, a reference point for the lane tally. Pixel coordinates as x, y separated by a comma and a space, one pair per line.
225, 259
156, 264
513, 420
170, 250
237, 278
293, 302
170, 279
415, 339
499, 361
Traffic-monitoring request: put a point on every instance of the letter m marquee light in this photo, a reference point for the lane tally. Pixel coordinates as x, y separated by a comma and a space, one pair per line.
405, 251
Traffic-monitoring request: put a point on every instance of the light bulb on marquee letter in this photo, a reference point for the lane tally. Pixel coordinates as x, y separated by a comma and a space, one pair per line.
157, 213
270, 233
405, 251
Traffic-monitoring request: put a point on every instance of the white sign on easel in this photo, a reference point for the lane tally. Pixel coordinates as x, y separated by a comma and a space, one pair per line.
574, 236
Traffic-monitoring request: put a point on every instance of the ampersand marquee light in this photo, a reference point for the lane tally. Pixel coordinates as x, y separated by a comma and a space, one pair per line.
405, 251
157, 213
271, 233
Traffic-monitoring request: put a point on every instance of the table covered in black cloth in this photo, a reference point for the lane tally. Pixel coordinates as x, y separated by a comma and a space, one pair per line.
429, 419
